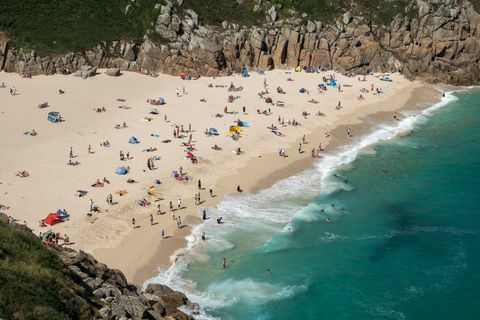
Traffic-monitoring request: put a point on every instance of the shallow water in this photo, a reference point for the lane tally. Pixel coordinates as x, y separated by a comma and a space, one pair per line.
391, 233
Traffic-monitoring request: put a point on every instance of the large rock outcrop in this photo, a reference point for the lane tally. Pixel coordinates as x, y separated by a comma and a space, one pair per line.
92, 289
440, 43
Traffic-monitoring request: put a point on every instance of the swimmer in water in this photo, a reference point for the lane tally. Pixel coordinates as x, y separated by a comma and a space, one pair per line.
269, 271
328, 220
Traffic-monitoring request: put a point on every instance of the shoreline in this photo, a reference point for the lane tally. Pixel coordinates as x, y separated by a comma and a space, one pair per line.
418, 99
108, 235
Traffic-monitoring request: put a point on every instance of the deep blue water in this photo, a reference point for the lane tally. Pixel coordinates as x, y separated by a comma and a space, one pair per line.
402, 239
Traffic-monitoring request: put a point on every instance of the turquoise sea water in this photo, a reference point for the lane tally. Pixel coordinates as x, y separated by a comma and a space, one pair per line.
399, 239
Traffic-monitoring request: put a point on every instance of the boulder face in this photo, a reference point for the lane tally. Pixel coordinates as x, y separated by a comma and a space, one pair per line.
114, 297
441, 44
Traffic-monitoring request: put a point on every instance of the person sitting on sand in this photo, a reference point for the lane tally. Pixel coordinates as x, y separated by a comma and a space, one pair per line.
239, 189
215, 147
105, 180
130, 180
124, 125
60, 91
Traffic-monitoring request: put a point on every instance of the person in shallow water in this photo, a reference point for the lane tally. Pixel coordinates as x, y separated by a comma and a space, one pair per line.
224, 263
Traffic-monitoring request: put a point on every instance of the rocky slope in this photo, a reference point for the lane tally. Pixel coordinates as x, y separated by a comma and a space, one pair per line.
439, 43
52, 282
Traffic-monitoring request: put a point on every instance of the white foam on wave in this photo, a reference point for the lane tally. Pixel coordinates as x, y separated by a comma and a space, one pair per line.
271, 211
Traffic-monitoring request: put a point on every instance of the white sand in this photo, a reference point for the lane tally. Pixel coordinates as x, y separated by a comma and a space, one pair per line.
52, 183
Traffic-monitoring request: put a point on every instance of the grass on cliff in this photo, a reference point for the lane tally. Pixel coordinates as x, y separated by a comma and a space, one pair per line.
32, 285
57, 26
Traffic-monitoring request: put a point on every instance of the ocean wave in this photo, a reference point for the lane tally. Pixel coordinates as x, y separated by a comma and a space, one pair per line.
271, 212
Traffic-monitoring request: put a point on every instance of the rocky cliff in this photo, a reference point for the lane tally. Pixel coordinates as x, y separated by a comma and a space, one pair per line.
52, 282
440, 42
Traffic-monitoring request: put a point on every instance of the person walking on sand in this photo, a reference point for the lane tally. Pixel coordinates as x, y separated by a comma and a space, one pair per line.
159, 211
204, 215
303, 139
151, 219
204, 237
224, 263
133, 223
211, 193
162, 232
178, 92
71, 152
89, 149
299, 148
92, 205
179, 204
199, 184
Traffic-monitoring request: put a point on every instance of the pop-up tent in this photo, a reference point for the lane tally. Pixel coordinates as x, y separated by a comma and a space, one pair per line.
133, 140
121, 171
302, 90
244, 72
213, 130
52, 219
54, 116
161, 100
332, 83
154, 111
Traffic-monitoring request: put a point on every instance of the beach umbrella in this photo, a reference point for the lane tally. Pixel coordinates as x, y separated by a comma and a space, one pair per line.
121, 171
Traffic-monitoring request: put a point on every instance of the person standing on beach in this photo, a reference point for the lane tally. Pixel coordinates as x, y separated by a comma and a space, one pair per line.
204, 215
179, 204
178, 92
162, 232
133, 223
151, 219
159, 211
71, 152
89, 149
211, 193
204, 237
299, 148
199, 184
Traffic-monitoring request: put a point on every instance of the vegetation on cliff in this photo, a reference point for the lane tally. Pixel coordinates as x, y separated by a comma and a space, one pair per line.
32, 284
56, 26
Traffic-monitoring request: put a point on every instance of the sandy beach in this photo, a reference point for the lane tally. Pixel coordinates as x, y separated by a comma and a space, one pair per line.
53, 184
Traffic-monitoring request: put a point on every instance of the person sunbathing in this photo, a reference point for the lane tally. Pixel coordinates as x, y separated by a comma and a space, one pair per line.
22, 174
97, 184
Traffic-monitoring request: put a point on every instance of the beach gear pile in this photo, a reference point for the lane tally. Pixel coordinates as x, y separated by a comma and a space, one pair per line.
133, 140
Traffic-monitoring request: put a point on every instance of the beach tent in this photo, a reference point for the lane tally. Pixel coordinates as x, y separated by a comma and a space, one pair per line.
298, 69
332, 83
302, 90
245, 72
213, 130
52, 219
121, 171
54, 116
161, 100
133, 140
153, 111
261, 72
242, 124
